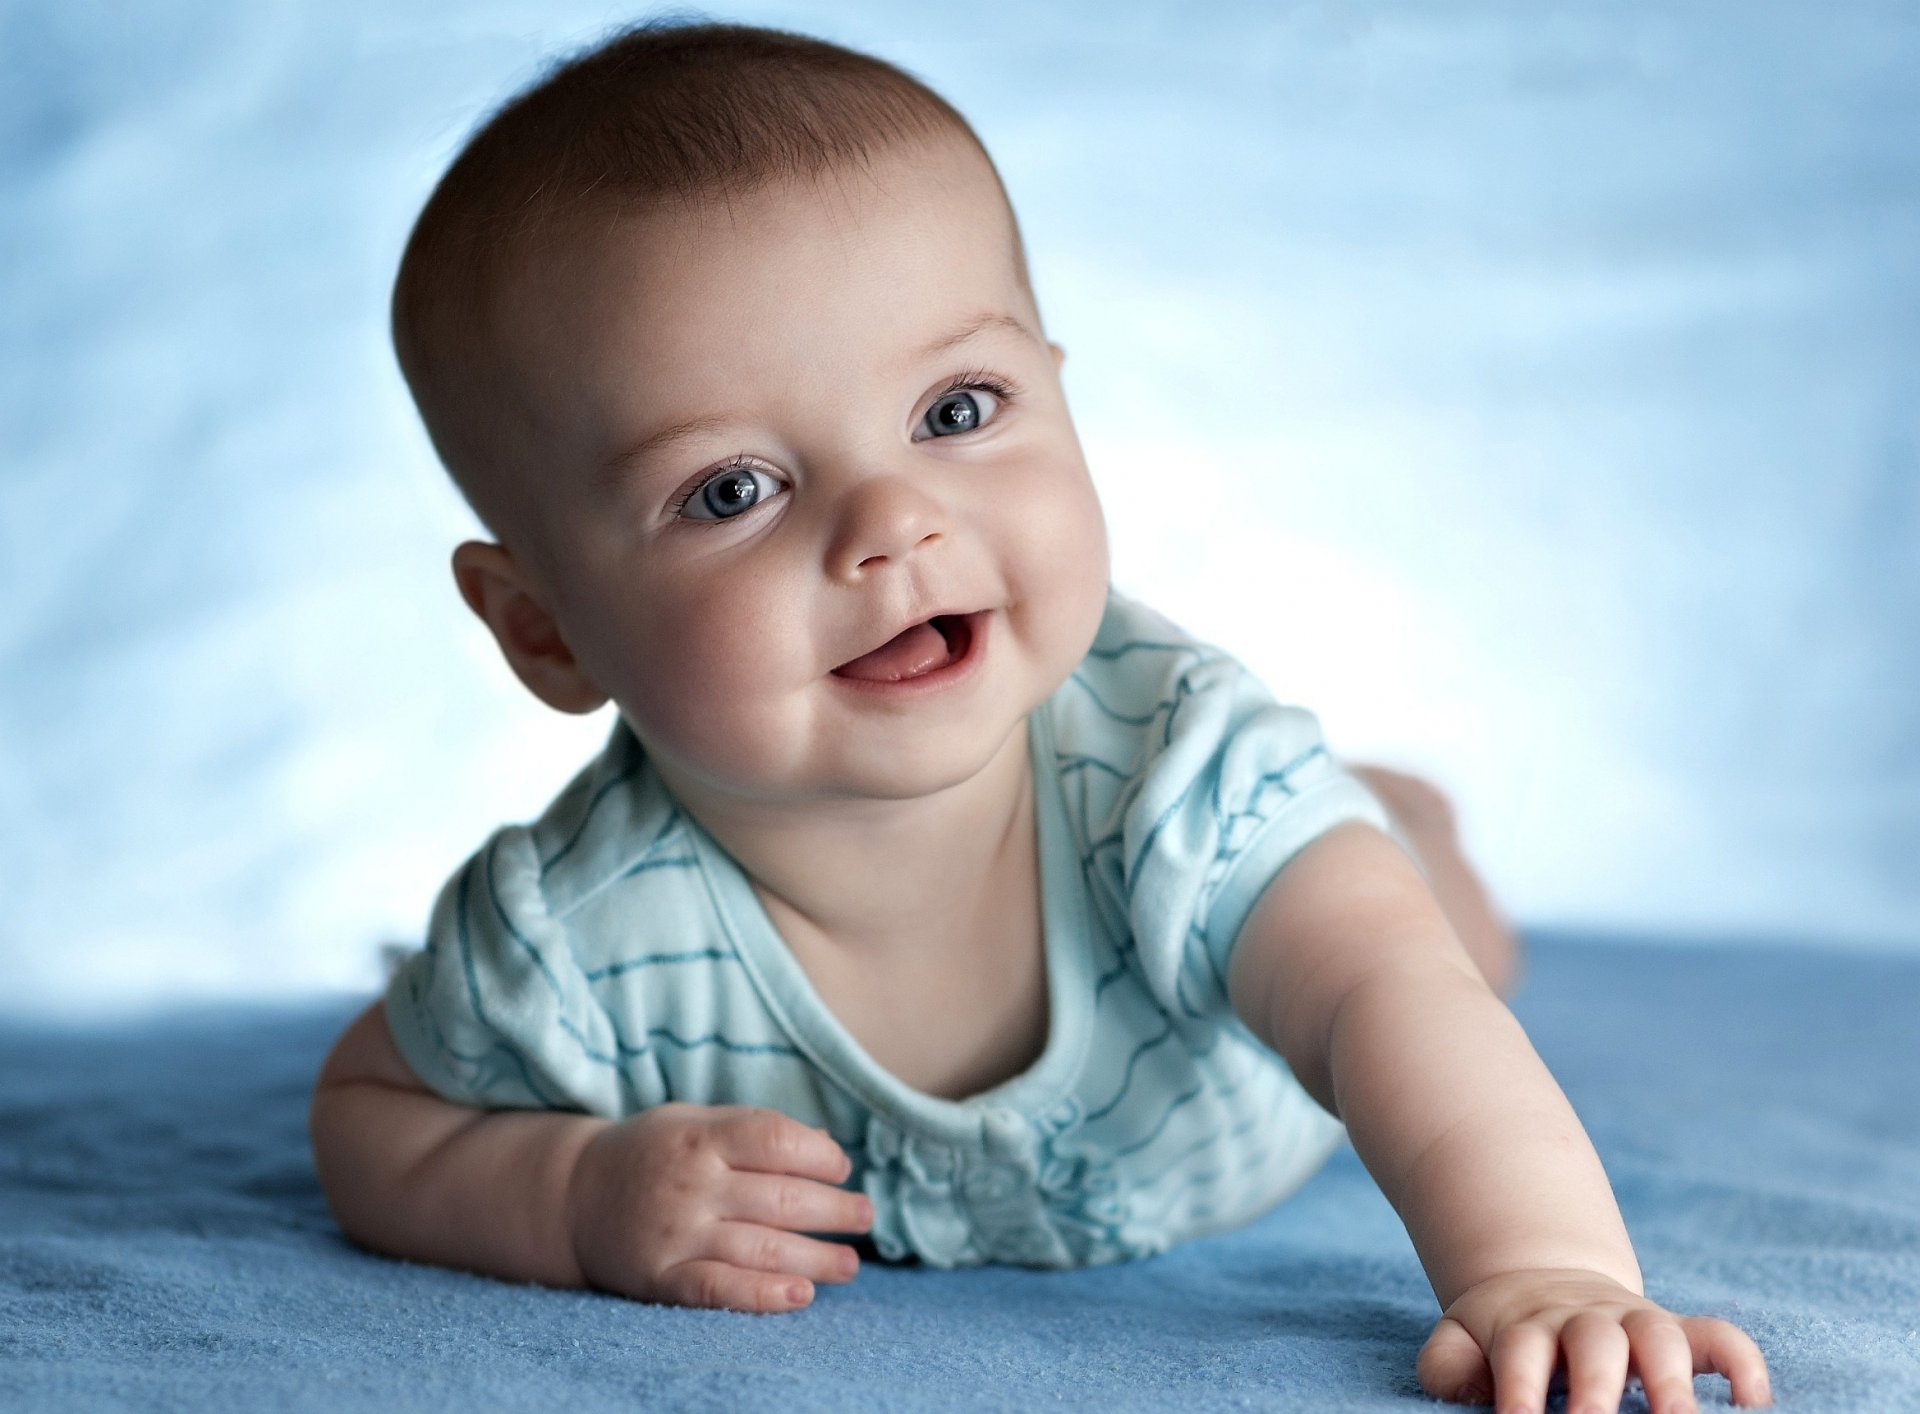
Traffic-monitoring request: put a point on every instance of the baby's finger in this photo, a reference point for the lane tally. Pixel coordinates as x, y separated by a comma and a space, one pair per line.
771, 1142
796, 1204
1722, 1348
766, 1249
1664, 1359
1597, 1354
1451, 1366
719, 1285
1522, 1359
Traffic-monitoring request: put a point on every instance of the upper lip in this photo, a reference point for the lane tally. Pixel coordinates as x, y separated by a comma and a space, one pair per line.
910, 623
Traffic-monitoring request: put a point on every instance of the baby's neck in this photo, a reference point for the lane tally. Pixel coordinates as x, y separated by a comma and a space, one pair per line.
875, 877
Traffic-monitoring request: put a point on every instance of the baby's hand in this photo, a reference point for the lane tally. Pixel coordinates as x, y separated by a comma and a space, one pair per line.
703, 1205
1506, 1333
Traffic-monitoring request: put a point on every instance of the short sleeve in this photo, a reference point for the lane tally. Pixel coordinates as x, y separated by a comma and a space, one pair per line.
1244, 784
496, 1012
1206, 787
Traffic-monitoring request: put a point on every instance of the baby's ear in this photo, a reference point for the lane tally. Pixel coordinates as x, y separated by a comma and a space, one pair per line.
506, 601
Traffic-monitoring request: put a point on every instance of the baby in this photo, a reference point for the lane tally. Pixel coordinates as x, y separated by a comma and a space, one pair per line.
928, 888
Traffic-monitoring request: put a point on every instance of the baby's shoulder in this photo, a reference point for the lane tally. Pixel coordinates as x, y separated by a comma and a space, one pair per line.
613, 821
1131, 693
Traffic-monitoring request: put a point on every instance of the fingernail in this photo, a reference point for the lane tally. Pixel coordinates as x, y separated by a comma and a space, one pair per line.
1473, 1394
799, 1292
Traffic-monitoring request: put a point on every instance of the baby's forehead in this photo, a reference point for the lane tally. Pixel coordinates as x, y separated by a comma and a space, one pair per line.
937, 201
924, 176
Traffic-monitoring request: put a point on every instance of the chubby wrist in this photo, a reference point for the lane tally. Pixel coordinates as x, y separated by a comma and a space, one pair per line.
1531, 1283
584, 1194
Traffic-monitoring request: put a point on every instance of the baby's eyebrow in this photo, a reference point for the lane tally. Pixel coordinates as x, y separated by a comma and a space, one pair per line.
979, 324
654, 443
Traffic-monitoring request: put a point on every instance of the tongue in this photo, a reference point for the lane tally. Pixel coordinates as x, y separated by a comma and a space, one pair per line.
907, 655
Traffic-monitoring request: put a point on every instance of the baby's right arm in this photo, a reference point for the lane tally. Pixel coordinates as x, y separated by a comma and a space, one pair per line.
697, 1205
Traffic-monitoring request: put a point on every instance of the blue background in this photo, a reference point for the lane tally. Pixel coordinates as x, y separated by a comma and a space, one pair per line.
1530, 390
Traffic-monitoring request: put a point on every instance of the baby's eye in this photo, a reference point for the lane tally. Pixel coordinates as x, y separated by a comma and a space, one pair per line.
960, 411
728, 493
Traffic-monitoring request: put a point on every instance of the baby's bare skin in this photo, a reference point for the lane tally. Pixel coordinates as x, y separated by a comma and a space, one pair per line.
1426, 818
1380, 988
696, 1204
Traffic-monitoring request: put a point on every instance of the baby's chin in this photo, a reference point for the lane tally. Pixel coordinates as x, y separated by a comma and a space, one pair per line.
838, 770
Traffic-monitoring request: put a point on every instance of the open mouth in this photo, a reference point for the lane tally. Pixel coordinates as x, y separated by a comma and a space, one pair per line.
925, 648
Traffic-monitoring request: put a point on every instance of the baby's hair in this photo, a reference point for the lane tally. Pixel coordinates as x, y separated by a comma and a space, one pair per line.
663, 111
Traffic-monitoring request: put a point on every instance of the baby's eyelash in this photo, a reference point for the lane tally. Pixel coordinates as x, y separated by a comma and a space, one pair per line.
1000, 387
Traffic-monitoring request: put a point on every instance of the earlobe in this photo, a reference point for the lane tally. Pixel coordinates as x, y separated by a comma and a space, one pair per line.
507, 602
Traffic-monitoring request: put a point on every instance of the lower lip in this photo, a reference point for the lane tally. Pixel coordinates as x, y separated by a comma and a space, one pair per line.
949, 675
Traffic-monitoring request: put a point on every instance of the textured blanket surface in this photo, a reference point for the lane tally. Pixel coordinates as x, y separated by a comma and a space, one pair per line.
164, 1244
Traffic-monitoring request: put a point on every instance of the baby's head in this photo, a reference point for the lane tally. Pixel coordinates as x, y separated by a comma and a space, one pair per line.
726, 335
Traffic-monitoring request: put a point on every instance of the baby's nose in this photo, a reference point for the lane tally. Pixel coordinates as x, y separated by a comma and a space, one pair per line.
883, 520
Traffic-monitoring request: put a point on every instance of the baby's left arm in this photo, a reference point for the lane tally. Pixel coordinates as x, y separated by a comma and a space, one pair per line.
1349, 970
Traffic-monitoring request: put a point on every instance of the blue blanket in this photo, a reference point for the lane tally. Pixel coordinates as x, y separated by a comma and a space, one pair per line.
164, 1245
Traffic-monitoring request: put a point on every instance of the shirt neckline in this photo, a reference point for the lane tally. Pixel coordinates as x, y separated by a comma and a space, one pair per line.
813, 1028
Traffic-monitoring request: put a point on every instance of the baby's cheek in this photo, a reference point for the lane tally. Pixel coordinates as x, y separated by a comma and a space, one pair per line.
1065, 569
1097, 562
1072, 543
695, 691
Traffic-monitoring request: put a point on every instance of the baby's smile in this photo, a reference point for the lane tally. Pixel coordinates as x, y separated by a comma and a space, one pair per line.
916, 650
939, 649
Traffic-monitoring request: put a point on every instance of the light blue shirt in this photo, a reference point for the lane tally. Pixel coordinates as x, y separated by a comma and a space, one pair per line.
612, 956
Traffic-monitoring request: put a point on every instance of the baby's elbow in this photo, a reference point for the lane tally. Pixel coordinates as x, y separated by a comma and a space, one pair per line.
360, 1072
366, 1053
333, 1127
1315, 1075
